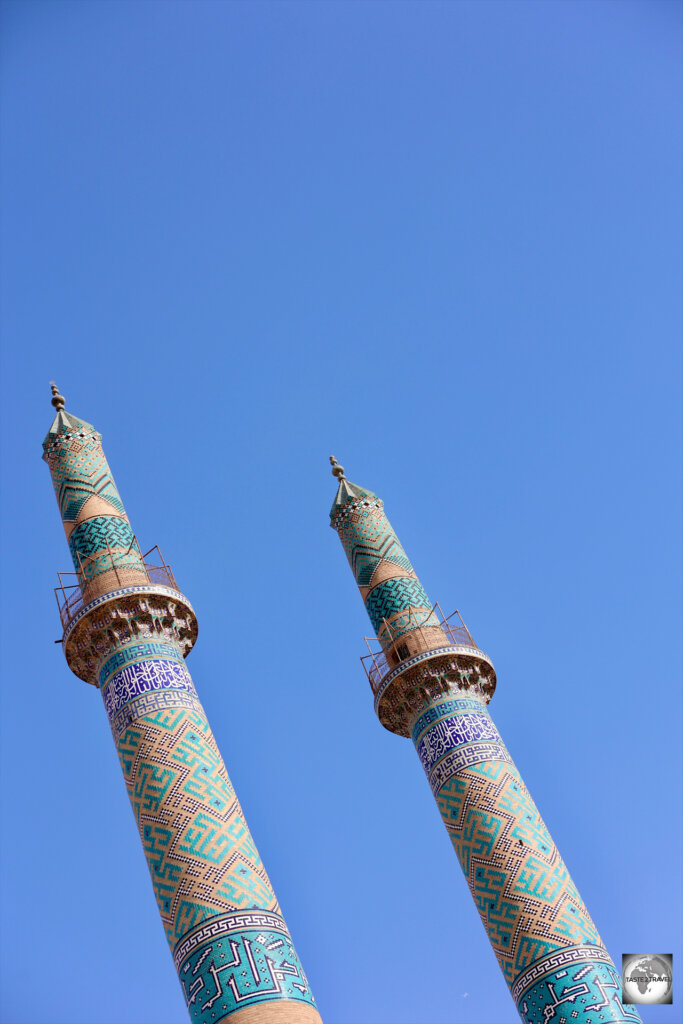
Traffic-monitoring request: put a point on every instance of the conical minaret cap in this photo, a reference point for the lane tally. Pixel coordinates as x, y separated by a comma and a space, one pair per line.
346, 491
63, 421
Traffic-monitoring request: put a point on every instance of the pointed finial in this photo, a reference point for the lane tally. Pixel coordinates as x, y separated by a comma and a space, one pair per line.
337, 470
57, 399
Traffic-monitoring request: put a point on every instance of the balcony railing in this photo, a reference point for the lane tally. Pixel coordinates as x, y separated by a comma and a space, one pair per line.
70, 596
376, 664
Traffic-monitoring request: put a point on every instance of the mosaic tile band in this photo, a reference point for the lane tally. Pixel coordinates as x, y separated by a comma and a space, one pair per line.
150, 704
577, 991
238, 961
154, 675
454, 734
465, 757
93, 535
560, 960
133, 653
392, 597
443, 708
455, 731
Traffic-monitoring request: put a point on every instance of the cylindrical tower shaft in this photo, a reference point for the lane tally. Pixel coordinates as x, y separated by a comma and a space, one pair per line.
432, 683
127, 631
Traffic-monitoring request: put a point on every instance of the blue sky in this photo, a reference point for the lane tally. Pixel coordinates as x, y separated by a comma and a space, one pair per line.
443, 242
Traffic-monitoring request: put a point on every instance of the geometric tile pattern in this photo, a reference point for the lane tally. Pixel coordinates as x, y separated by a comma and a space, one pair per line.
79, 468
234, 961
93, 534
152, 704
464, 757
368, 538
201, 856
97, 536
525, 896
388, 599
533, 914
208, 879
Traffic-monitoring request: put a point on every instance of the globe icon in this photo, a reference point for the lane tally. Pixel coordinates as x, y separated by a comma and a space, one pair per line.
647, 979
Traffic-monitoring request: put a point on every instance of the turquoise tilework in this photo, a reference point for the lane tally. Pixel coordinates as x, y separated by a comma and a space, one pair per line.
238, 961
148, 677
136, 652
390, 598
200, 853
368, 538
444, 708
79, 469
572, 986
91, 537
526, 898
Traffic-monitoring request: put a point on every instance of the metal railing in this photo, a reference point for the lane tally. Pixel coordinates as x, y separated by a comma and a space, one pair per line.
70, 596
376, 664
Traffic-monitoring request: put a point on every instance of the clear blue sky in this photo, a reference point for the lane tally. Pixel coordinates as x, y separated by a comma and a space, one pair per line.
443, 242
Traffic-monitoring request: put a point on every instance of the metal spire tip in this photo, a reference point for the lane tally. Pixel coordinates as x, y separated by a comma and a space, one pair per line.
337, 470
57, 400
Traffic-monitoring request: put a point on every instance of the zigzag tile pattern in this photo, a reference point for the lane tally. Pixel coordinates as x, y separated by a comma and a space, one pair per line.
80, 470
368, 538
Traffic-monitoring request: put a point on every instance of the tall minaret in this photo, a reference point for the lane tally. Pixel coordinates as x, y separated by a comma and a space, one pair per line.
431, 682
127, 631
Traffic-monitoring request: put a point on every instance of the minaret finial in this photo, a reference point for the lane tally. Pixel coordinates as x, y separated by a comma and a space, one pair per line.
57, 399
337, 470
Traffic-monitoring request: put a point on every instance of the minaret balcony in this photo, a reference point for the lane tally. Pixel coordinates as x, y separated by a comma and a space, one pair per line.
446, 639
109, 570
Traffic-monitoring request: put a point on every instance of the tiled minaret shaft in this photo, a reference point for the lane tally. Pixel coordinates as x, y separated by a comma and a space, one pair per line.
432, 683
127, 630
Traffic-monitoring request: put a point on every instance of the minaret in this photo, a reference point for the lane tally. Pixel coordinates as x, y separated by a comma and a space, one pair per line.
127, 631
431, 682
